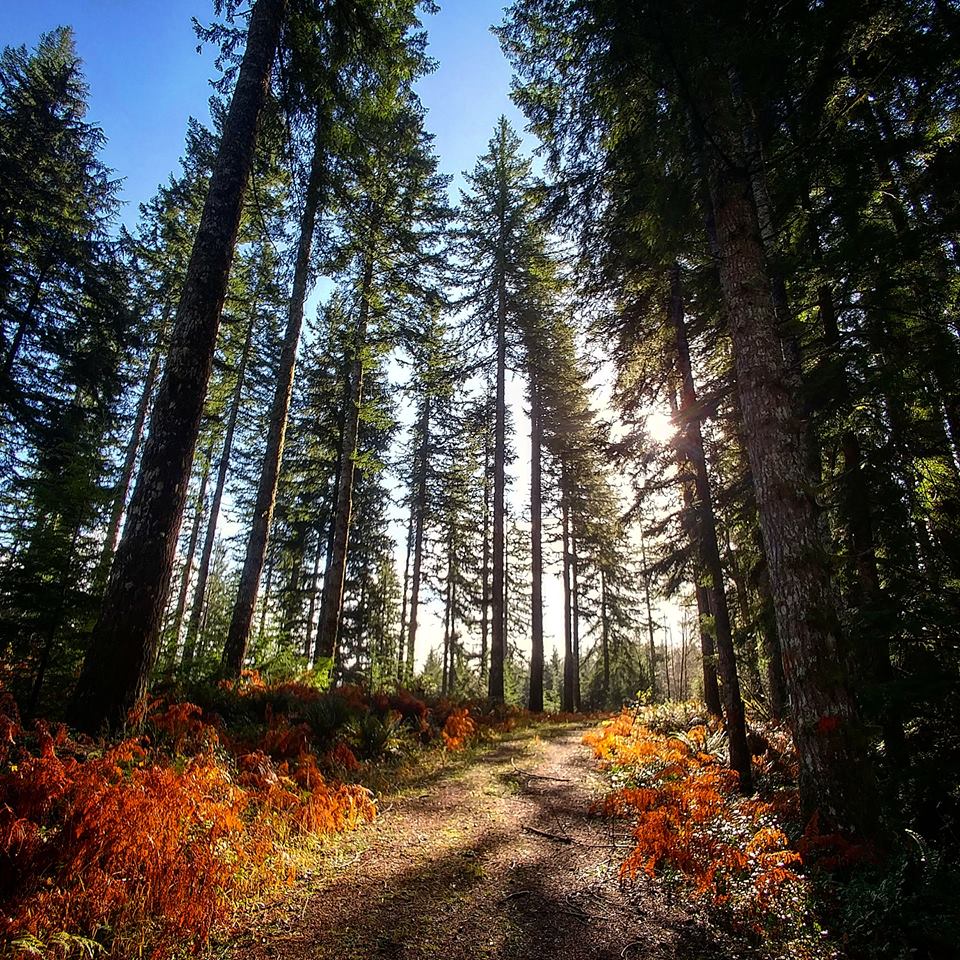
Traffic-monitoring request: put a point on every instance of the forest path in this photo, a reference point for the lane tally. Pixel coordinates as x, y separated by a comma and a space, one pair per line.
456, 870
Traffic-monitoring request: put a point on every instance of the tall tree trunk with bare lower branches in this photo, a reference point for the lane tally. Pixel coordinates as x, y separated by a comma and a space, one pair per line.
708, 652
575, 612
569, 667
740, 759
536, 553
485, 572
238, 635
604, 638
651, 639
498, 598
402, 637
188, 559
835, 775
331, 602
130, 458
206, 553
419, 508
125, 639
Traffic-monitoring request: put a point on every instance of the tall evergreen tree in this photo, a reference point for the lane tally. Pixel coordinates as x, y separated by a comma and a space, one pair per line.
125, 639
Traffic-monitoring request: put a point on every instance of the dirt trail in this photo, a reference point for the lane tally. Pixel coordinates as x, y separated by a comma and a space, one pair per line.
456, 871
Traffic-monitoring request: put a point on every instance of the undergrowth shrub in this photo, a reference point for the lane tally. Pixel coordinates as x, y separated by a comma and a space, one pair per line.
458, 728
902, 909
377, 736
138, 844
145, 845
692, 826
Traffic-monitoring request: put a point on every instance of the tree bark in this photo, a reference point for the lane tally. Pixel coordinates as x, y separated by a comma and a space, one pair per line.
535, 702
650, 632
203, 571
604, 638
708, 653
420, 510
575, 604
235, 649
836, 777
312, 605
125, 640
265, 599
447, 623
485, 575
331, 603
26, 320
498, 605
568, 665
402, 673
188, 559
130, 459
740, 759
766, 629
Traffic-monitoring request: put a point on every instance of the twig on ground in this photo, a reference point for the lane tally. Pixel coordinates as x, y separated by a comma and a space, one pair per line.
547, 835
516, 893
629, 946
539, 776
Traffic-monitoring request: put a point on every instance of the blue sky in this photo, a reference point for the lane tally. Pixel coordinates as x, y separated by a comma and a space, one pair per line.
146, 78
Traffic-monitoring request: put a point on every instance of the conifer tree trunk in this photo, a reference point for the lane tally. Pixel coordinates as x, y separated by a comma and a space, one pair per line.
536, 553
235, 649
125, 640
402, 638
420, 510
835, 775
331, 602
485, 574
575, 603
130, 459
506, 590
652, 644
498, 605
666, 663
568, 664
188, 559
740, 759
604, 638
293, 601
776, 682
24, 324
312, 605
265, 598
452, 674
203, 570
708, 653
447, 623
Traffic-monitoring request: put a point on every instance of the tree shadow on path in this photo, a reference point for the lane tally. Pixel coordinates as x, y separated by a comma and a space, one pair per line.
502, 861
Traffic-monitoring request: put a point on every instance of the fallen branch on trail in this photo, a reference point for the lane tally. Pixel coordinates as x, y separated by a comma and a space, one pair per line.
549, 836
515, 894
539, 776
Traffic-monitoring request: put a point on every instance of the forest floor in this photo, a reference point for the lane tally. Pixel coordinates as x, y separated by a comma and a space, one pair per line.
495, 856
